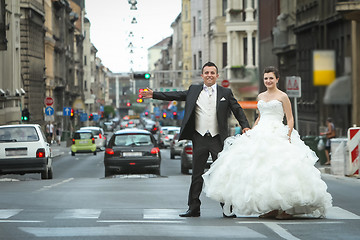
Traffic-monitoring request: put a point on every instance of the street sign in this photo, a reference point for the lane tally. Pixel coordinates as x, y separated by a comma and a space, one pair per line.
66, 111
49, 111
49, 101
83, 117
293, 86
225, 83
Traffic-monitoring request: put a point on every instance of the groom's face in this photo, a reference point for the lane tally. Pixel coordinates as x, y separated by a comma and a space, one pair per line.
209, 75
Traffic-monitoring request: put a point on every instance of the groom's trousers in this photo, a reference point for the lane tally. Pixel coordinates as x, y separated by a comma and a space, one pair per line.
202, 146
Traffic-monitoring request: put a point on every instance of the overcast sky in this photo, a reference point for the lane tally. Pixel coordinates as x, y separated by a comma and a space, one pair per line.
111, 27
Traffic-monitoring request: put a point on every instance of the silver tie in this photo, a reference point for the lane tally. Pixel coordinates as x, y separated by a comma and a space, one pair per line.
210, 91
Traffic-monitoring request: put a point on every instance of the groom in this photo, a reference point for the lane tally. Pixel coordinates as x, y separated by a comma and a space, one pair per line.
205, 123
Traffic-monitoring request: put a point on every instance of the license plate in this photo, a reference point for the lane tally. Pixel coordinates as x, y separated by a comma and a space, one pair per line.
16, 152
83, 142
132, 154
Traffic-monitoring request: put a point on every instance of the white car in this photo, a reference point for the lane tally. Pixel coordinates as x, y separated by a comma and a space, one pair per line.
99, 135
24, 149
167, 134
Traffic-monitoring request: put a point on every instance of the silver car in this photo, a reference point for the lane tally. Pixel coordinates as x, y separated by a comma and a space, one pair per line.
24, 149
99, 135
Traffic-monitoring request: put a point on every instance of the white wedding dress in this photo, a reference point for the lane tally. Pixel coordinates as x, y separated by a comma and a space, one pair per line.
261, 170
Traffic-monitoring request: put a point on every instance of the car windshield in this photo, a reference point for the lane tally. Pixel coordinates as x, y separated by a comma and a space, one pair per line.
18, 134
82, 135
94, 131
132, 139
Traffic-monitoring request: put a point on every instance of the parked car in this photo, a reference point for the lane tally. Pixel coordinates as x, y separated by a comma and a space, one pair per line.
131, 151
187, 157
109, 126
99, 135
24, 149
83, 142
166, 135
176, 146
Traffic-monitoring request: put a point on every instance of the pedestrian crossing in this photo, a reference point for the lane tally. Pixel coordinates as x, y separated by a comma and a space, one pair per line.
335, 213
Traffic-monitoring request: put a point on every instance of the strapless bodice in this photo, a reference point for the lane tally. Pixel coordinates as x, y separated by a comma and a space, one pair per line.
271, 110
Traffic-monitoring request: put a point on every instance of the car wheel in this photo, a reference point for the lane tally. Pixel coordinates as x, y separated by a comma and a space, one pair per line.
107, 172
50, 173
72, 153
45, 174
184, 170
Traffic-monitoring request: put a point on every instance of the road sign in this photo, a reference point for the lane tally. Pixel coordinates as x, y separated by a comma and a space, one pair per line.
293, 86
49, 111
225, 83
49, 101
83, 117
66, 111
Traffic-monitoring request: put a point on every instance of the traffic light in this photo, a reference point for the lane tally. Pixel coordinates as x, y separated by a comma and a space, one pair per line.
139, 100
175, 115
91, 117
72, 114
164, 115
147, 75
25, 115
128, 104
146, 113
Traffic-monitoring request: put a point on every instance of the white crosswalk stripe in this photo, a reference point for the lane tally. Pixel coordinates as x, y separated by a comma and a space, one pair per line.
335, 213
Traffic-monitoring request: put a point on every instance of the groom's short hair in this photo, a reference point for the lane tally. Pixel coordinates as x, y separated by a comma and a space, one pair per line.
209, 64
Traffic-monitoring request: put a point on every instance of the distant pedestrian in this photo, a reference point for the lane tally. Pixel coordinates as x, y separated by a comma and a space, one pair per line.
237, 129
58, 134
330, 133
50, 132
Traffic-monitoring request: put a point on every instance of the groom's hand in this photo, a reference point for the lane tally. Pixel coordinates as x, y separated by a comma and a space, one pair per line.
147, 93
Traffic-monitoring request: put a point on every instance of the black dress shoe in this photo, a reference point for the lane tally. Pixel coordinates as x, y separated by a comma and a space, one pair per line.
191, 213
231, 216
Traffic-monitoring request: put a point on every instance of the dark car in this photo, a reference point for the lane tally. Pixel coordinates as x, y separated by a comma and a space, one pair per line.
132, 151
187, 157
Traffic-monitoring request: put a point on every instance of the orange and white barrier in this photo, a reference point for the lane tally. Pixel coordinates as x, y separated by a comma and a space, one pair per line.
353, 146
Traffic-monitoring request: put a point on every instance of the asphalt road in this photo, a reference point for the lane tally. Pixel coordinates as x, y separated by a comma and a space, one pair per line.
79, 203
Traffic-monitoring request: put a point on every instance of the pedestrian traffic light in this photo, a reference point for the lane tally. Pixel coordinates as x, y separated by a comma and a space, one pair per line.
175, 115
164, 115
25, 115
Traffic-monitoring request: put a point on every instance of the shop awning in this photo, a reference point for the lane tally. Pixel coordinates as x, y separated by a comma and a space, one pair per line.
248, 104
339, 92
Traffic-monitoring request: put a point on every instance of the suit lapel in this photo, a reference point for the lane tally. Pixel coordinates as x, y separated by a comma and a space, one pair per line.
218, 96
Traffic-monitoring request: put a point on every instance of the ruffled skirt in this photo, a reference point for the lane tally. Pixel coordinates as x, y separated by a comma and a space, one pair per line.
261, 171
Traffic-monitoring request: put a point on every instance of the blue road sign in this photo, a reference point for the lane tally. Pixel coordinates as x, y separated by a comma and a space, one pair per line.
67, 111
49, 111
83, 117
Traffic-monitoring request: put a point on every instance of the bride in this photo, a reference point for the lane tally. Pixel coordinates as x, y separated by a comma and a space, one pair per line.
268, 170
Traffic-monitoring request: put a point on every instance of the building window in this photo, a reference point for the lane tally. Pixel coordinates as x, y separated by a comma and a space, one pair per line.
224, 50
245, 51
224, 7
194, 26
200, 59
199, 21
194, 57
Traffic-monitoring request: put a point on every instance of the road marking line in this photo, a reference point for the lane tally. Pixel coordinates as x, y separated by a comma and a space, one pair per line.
20, 221
280, 231
340, 213
79, 213
7, 213
138, 221
161, 214
44, 188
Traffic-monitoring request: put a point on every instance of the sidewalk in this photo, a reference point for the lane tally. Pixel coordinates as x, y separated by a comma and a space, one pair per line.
59, 150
